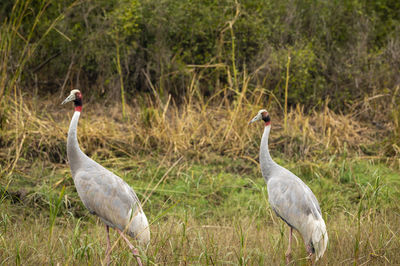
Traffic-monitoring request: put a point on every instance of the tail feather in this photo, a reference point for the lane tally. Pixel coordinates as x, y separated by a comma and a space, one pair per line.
319, 238
139, 228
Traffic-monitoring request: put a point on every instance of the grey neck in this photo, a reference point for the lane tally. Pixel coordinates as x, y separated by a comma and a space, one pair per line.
74, 153
266, 162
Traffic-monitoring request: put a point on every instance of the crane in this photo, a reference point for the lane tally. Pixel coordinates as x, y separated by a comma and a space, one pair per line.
104, 193
291, 199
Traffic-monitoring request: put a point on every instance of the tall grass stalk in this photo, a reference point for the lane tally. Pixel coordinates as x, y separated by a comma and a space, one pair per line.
286, 92
55, 204
242, 235
233, 58
235, 79
396, 113
5, 219
357, 239
17, 255
121, 79
20, 134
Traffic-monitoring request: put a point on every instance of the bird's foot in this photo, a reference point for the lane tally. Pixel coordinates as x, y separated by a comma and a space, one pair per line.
134, 250
310, 258
136, 254
288, 257
107, 259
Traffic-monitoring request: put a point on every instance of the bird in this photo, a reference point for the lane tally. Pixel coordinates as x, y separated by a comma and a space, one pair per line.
102, 192
291, 199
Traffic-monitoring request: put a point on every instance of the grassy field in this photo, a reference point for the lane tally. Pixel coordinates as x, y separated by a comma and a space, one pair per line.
196, 171
185, 147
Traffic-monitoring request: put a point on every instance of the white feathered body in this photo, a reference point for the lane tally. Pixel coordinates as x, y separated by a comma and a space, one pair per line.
104, 193
293, 201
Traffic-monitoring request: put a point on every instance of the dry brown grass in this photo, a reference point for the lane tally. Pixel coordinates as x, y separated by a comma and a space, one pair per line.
38, 129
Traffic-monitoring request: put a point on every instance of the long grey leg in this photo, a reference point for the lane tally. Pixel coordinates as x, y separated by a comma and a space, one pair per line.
107, 260
135, 252
289, 250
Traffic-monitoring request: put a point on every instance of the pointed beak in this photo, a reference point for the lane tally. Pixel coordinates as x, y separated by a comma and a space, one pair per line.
71, 97
256, 118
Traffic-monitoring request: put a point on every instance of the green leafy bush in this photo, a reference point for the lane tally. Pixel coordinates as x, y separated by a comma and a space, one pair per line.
341, 49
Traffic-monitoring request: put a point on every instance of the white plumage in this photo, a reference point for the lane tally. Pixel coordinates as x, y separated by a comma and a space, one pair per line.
102, 192
291, 199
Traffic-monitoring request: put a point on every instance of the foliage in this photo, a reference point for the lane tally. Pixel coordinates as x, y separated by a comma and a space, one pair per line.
341, 49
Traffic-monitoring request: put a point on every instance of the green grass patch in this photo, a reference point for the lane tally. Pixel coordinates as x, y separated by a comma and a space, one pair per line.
213, 213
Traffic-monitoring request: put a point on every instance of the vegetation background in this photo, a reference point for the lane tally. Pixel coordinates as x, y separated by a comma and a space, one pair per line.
169, 87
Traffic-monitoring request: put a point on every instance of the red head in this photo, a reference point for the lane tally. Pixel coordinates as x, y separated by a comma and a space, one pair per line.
75, 96
262, 115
